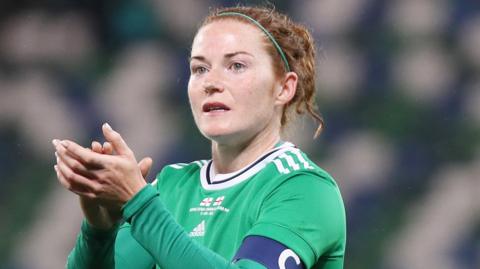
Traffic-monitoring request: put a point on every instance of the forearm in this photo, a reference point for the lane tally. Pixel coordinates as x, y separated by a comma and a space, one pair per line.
94, 249
157, 231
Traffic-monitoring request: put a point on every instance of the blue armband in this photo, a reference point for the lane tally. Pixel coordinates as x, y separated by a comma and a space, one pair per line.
268, 252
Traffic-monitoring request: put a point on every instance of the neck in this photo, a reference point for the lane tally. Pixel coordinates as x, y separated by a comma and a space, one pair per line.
228, 158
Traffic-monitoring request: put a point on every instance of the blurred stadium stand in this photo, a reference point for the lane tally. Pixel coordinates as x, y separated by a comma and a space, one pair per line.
399, 87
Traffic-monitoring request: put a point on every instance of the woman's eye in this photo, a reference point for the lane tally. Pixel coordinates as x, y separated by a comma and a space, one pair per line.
198, 69
238, 66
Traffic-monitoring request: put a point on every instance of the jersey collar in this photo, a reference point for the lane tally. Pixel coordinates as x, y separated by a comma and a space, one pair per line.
223, 181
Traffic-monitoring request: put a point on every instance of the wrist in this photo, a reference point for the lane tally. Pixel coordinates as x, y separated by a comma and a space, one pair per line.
92, 231
138, 202
134, 191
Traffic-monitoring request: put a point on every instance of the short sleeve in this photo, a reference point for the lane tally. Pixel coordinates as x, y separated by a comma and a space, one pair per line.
305, 213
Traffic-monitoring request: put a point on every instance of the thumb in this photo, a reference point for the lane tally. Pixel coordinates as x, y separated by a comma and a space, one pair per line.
119, 145
145, 165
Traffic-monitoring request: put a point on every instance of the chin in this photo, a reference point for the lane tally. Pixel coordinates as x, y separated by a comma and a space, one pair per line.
229, 137
217, 135
215, 129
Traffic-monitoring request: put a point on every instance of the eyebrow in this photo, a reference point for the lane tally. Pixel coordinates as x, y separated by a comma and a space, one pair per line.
228, 55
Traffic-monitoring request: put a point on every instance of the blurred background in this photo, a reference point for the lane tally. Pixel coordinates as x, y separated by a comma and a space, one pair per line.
399, 88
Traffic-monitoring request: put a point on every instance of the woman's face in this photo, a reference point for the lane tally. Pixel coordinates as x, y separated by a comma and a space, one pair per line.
232, 82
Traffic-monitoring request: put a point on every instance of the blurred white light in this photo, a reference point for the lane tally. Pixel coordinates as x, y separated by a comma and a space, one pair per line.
20, 35
131, 100
339, 73
69, 39
437, 223
59, 206
8, 100
361, 161
418, 17
33, 37
181, 18
424, 72
470, 40
31, 100
331, 17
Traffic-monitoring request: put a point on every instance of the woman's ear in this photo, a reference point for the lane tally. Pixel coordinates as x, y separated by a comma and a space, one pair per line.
288, 88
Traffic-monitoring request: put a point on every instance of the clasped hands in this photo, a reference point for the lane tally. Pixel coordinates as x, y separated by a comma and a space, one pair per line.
108, 174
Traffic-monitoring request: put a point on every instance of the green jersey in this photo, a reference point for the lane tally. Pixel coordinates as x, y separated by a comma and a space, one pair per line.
281, 196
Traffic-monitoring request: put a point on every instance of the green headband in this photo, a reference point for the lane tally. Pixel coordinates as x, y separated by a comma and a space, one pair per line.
269, 35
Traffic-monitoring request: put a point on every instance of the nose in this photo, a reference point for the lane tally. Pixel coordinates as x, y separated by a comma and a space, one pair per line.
212, 87
213, 83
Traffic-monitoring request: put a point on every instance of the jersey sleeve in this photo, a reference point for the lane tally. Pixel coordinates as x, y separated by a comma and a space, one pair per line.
305, 213
94, 248
169, 245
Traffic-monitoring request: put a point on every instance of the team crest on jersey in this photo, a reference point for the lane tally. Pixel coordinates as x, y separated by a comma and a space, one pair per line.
209, 205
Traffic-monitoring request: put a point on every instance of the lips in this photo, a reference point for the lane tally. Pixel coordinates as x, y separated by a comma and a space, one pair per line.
214, 107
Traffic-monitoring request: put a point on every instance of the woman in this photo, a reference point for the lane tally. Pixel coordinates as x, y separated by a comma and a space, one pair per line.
259, 203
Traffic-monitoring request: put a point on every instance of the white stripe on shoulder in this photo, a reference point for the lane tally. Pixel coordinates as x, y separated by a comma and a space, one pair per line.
305, 163
290, 161
200, 163
178, 165
154, 182
280, 167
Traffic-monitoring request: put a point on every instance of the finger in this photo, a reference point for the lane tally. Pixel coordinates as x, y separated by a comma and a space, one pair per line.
74, 165
96, 147
62, 179
107, 148
118, 144
145, 165
55, 142
77, 182
89, 158
75, 189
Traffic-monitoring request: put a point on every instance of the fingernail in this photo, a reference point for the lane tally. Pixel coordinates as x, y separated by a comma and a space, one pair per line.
108, 126
64, 143
55, 142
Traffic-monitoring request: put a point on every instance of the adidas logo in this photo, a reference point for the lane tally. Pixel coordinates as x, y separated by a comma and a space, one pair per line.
199, 230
